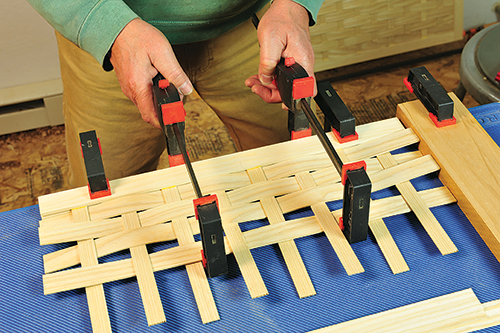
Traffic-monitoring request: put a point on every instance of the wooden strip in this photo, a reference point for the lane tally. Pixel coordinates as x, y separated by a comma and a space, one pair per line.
293, 260
241, 252
257, 190
130, 203
435, 314
145, 277
79, 231
196, 272
423, 213
96, 300
332, 231
186, 254
389, 248
469, 161
211, 168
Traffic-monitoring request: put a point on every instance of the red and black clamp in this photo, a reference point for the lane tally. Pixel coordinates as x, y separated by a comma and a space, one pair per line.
172, 117
296, 85
338, 118
170, 110
98, 184
432, 95
357, 184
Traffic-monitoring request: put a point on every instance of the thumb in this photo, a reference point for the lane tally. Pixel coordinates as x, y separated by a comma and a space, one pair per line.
270, 55
166, 63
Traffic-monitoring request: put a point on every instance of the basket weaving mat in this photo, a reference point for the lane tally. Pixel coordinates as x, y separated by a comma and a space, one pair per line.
290, 176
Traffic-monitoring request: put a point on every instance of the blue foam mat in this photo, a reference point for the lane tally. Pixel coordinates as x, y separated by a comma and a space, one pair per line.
339, 297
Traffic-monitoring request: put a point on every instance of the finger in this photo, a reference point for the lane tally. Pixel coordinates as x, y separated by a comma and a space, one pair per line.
270, 55
266, 94
166, 63
145, 104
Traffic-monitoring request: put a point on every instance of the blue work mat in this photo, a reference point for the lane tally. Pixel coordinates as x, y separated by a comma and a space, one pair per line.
24, 307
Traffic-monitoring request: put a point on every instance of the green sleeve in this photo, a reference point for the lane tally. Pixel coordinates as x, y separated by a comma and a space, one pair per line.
92, 25
313, 7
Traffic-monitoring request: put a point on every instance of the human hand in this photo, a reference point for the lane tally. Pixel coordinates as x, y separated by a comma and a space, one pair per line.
139, 52
283, 32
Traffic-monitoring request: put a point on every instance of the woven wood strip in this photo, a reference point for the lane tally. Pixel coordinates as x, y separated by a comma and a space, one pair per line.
145, 277
293, 260
96, 300
423, 213
389, 248
196, 272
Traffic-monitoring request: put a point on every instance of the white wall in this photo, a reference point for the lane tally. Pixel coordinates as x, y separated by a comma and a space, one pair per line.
28, 50
479, 12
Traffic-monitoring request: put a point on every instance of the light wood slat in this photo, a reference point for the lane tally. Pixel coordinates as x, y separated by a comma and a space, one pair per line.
196, 273
61, 202
332, 231
248, 267
79, 231
435, 314
121, 205
388, 247
293, 260
469, 161
380, 180
96, 299
187, 254
145, 277
423, 213
263, 189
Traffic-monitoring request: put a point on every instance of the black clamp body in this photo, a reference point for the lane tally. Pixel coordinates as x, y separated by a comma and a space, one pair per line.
214, 251
98, 184
287, 77
336, 112
356, 205
430, 93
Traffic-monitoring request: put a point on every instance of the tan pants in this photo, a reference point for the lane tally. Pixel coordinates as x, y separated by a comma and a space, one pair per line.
218, 68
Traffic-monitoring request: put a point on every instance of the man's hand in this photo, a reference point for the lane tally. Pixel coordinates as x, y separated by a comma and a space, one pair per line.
141, 51
283, 32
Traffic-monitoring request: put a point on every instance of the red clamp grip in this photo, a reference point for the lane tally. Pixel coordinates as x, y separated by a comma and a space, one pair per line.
497, 78
99, 194
203, 259
442, 123
351, 166
347, 138
301, 134
173, 113
175, 160
203, 201
303, 87
408, 84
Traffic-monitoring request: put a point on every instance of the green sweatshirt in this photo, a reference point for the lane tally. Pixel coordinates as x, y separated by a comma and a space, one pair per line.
93, 25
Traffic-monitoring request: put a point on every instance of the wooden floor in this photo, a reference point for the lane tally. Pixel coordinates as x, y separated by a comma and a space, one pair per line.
34, 163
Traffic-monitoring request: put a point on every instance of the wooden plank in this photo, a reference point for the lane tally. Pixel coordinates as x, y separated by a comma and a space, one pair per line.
388, 247
435, 314
293, 260
196, 273
469, 161
145, 277
423, 213
96, 300
332, 231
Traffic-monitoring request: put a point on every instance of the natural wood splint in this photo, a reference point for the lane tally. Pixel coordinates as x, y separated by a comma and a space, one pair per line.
263, 183
456, 312
96, 300
469, 161
196, 272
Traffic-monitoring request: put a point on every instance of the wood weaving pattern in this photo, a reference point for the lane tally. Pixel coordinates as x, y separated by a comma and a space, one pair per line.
264, 183
348, 32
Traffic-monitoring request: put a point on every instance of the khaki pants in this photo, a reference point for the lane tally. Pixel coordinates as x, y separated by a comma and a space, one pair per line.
218, 68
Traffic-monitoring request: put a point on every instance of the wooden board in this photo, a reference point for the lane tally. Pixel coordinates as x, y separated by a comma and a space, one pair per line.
264, 183
469, 161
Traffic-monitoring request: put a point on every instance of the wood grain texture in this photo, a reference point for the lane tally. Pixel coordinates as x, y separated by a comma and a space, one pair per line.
423, 213
144, 272
96, 299
469, 161
196, 273
293, 260
388, 246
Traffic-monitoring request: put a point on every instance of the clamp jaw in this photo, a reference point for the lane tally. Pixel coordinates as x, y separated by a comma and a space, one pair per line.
172, 115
